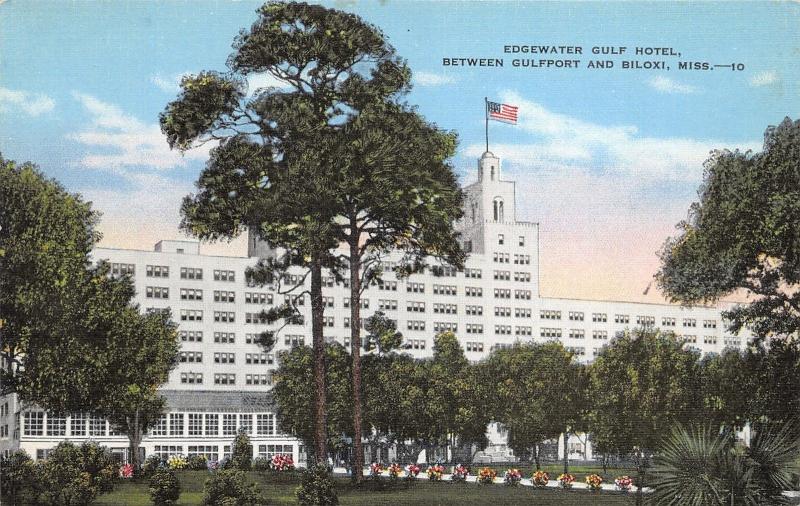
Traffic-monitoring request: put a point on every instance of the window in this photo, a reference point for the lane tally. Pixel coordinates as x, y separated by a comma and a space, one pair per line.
258, 379
502, 329
417, 344
224, 358
709, 340
622, 318
502, 258
523, 331
166, 451
502, 311
256, 318
221, 275
473, 273
645, 321
191, 294
191, 315
157, 271
224, 337
387, 285
229, 425
709, 324
191, 356
501, 239
246, 423
576, 350
473, 346
34, 423
224, 296
257, 298
97, 426
576, 316
328, 321
224, 379
176, 424
195, 424
415, 307
157, 292
445, 327
474, 310
191, 273
599, 334
265, 424
522, 259
473, 291
387, 305
192, 378
327, 301
122, 269
258, 358
577, 333
599, 317
269, 451
78, 424
522, 294
498, 206
474, 328
689, 322
550, 333
502, 293
224, 316
444, 290
445, 308
522, 276
415, 325
549, 314
211, 424
502, 275
294, 340
667, 322
160, 427
522, 240
522, 312
192, 335
56, 425
208, 451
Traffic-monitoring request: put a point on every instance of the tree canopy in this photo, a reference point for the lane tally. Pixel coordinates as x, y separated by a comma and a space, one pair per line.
744, 233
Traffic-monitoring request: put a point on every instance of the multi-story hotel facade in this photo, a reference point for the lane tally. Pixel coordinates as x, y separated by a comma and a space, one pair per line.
223, 378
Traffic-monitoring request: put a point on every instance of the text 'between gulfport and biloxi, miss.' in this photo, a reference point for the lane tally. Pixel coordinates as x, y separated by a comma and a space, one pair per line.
589, 57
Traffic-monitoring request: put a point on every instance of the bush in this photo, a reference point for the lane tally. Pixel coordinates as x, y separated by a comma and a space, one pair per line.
317, 488
231, 487
261, 464
197, 463
151, 464
242, 452
17, 480
164, 487
75, 475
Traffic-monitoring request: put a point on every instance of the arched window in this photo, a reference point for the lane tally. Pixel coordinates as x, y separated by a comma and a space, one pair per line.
492, 176
498, 209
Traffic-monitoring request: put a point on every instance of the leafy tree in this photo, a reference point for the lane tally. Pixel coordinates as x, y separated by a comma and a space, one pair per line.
727, 388
643, 383
704, 467
18, 477
74, 475
272, 171
744, 234
241, 452
773, 379
539, 393
164, 487
57, 309
294, 387
383, 335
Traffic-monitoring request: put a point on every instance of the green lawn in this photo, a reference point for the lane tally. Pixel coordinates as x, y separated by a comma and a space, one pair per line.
419, 494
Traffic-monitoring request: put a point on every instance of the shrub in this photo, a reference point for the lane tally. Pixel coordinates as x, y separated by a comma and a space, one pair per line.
242, 452
164, 487
18, 475
435, 472
513, 477
177, 462
197, 463
460, 474
231, 487
282, 463
316, 488
151, 464
623, 483
75, 475
395, 471
566, 480
412, 470
594, 481
262, 464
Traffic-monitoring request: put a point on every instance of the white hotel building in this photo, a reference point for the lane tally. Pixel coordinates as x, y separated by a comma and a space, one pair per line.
223, 379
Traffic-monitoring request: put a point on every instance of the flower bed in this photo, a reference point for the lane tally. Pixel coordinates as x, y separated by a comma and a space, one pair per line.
512, 477
412, 470
376, 469
395, 471
282, 463
126, 471
460, 474
566, 480
435, 472
486, 476
624, 483
177, 462
540, 479
594, 481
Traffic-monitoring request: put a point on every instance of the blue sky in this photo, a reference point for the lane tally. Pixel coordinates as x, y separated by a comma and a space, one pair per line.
607, 160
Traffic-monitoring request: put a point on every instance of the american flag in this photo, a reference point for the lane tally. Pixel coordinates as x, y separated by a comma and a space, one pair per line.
502, 112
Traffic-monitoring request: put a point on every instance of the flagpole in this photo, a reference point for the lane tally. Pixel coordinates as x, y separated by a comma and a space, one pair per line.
486, 115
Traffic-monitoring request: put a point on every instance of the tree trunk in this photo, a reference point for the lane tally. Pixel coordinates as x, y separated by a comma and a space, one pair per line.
566, 451
640, 466
134, 440
355, 347
536, 457
320, 408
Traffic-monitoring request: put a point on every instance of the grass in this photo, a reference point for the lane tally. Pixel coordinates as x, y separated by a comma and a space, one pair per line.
280, 491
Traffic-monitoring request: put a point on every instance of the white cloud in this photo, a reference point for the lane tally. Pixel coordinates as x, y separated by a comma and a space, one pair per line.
33, 104
667, 85
557, 141
421, 78
118, 141
265, 80
764, 78
168, 84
